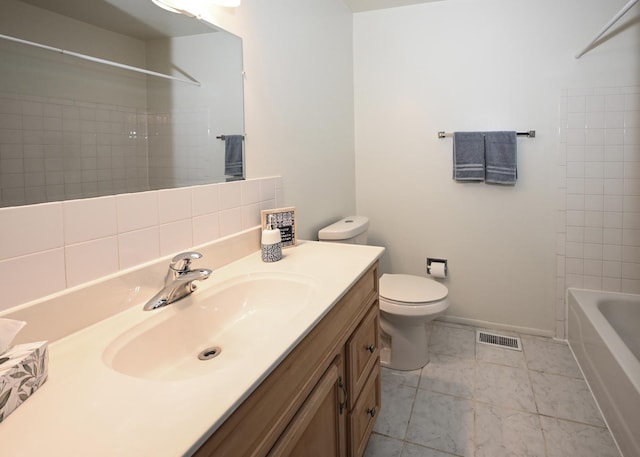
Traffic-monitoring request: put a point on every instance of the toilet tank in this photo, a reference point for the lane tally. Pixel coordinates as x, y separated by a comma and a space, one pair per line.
351, 230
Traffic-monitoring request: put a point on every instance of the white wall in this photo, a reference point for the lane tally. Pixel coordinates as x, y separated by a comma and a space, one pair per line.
299, 101
468, 65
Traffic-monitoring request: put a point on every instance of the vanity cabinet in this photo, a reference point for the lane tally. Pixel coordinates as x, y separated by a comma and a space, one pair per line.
323, 398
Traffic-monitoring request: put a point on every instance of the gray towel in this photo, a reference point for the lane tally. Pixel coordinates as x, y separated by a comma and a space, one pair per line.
468, 156
501, 157
233, 155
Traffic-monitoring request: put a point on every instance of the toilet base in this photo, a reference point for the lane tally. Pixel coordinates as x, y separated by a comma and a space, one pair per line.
405, 350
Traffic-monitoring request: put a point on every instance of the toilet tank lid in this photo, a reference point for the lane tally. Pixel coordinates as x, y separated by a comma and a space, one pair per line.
344, 229
411, 289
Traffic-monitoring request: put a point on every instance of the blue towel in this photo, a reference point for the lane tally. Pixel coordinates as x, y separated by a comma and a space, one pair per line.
501, 157
468, 156
233, 155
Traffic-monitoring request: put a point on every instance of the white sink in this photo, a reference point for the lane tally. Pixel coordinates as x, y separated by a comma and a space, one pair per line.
232, 316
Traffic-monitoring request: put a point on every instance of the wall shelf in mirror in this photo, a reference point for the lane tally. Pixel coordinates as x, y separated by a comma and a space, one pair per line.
97, 60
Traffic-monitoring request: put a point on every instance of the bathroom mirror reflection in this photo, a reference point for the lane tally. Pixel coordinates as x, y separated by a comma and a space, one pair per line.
75, 128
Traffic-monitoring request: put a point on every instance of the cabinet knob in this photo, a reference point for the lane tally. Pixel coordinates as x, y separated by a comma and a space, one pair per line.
371, 412
371, 348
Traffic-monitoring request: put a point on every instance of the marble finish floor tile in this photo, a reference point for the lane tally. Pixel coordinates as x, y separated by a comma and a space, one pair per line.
453, 341
502, 432
474, 400
442, 422
395, 411
504, 386
566, 438
400, 378
449, 375
500, 356
413, 450
549, 356
565, 398
383, 446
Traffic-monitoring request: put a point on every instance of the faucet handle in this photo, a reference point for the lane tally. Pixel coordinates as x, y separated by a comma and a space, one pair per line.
181, 263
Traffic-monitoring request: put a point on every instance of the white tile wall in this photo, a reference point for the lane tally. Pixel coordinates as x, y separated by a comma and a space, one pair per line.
599, 192
54, 149
68, 243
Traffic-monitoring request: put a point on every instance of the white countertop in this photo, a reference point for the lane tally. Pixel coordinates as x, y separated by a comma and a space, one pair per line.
87, 408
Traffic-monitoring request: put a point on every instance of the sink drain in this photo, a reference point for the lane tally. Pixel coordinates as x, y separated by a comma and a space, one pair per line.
209, 353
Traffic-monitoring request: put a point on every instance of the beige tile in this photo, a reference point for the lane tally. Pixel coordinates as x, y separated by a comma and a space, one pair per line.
137, 211
174, 204
31, 277
206, 228
91, 260
89, 219
30, 229
230, 195
230, 221
138, 247
175, 237
250, 191
206, 199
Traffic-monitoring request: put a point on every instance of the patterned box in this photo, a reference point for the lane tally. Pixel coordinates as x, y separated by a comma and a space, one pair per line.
23, 369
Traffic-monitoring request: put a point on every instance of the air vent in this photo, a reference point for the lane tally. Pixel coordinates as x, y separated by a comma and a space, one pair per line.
493, 339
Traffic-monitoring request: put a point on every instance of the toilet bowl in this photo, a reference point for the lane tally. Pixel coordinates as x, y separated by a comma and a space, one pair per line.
408, 303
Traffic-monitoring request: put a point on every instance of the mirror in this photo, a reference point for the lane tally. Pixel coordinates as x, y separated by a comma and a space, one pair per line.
74, 125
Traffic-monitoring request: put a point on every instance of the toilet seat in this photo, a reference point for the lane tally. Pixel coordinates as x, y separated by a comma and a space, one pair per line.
410, 290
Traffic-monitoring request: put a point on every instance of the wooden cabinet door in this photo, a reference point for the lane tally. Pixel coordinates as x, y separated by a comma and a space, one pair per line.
319, 428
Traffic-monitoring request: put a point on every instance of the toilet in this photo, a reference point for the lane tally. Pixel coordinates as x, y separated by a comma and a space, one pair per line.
408, 303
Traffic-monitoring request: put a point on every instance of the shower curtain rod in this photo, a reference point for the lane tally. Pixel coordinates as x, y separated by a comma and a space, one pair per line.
606, 27
97, 60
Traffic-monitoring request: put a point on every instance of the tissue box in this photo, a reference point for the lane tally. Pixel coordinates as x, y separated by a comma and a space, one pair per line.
23, 369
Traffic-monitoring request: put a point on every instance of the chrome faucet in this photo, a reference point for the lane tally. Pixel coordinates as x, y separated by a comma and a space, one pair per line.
179, 281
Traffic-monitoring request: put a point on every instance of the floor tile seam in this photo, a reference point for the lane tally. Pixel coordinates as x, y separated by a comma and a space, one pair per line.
471, 399
424, 389
501, 364
490, 362
431, 448
395, 438
547, 450
413, 405
469, 357
533, 391
509, 408
574, 421
556, 374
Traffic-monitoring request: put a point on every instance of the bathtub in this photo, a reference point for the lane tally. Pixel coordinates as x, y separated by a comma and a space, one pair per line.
604, 334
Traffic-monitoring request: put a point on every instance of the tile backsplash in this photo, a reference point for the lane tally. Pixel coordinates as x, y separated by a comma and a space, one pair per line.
598, 192
52, 246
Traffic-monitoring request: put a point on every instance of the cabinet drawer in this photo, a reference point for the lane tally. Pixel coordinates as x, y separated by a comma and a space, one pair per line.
363, 350
364, 414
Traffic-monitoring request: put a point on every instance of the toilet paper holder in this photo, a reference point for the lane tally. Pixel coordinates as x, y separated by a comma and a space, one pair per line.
431, 260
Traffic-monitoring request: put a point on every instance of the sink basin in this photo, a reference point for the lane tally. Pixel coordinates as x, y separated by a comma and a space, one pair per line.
231, 316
